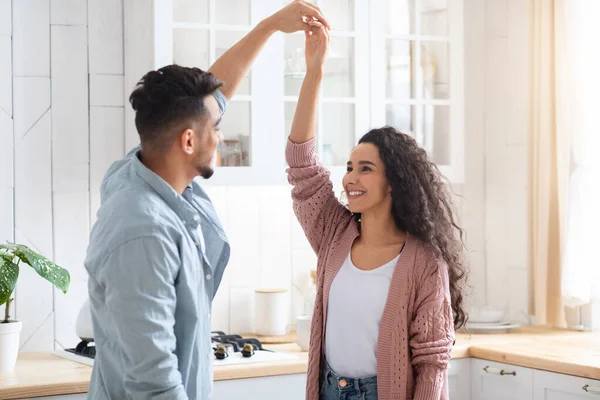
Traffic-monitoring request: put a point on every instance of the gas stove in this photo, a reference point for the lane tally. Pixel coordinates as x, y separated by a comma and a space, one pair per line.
227, 350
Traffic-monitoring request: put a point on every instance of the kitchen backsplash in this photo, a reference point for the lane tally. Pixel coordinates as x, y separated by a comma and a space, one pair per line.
63, 66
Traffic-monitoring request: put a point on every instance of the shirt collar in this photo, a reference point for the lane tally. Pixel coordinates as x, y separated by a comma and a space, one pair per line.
183, 208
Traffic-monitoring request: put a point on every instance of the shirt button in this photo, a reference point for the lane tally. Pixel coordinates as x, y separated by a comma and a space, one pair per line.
343, 383
183, 221
208, 276
196, 218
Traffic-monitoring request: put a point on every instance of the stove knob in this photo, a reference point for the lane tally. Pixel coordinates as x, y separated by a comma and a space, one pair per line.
248, 350
221, 353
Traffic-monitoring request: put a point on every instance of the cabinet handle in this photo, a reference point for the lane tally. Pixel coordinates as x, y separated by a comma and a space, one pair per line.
591, 389
497, 371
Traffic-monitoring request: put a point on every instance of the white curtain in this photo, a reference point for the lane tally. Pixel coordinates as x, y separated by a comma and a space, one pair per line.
581, 260
550, 157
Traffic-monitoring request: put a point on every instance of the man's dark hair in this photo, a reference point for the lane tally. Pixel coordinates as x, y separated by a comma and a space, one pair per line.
168, 98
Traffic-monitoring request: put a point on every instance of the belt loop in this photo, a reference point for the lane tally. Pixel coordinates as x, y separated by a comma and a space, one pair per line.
328, 372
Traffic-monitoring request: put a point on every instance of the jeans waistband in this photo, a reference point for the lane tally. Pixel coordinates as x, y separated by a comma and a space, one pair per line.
357, 384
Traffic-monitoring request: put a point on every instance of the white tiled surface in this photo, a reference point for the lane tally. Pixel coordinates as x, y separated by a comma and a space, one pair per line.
66, 308
71, 230
47, 94
6, 74
56, 199
68, 12
106, 90
36, 307
6, 152
5, 18
69, 94
242, 224
6, 126
31, 37
31, 99
241, 310
506, 153
69, 177
106, 141
106, 36
33, 186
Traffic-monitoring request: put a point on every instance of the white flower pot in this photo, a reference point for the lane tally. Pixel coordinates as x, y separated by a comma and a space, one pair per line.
9, 345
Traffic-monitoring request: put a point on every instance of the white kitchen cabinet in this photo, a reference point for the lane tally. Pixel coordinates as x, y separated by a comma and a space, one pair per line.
497, 381
552, 386
289, 387
391, 62
459, 379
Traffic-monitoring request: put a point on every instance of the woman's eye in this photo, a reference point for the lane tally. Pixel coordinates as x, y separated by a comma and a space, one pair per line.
348, 169
366, 169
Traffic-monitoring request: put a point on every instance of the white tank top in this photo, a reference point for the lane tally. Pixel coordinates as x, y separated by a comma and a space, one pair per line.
356, 302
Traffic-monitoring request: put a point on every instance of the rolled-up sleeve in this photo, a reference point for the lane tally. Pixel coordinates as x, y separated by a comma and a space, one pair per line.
221, 100
141, 299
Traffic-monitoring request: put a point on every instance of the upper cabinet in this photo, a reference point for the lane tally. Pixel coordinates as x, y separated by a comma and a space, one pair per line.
391, 62
417, 85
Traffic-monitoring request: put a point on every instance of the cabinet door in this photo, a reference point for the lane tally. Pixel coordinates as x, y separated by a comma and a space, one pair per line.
496, 381
459, 379
551, 386
200, 32
289, 387
417, 75
344, 114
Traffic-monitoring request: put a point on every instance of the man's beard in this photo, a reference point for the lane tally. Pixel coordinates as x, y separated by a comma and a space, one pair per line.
206, 171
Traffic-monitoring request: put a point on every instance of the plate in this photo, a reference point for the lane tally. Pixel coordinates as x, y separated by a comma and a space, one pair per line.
490, 328
486, 324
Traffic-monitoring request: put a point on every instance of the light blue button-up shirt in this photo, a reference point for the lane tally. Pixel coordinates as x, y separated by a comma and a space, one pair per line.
155, 261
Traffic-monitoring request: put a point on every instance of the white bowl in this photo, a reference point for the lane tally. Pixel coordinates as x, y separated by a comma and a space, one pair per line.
486, 314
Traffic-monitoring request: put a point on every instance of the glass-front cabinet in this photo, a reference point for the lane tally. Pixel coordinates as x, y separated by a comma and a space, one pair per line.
417, 75
395, 62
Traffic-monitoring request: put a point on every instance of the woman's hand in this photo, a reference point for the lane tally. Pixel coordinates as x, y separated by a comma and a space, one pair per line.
317, 44
291, 17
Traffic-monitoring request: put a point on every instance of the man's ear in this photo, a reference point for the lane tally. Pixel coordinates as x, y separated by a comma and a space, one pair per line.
187, 141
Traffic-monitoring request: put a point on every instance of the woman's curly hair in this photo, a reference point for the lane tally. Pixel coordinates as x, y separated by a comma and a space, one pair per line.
422, 204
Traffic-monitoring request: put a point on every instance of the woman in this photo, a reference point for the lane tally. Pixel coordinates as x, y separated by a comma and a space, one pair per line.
389, 264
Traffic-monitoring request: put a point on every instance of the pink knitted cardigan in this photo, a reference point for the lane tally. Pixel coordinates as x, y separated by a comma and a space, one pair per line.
416, 332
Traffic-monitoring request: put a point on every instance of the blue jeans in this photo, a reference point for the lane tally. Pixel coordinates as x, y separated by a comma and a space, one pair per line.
335, 387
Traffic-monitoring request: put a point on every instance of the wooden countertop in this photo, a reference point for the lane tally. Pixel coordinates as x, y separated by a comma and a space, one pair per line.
44, 374
555, 350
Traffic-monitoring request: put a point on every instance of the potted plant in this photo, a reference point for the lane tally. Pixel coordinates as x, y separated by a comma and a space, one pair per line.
11, 257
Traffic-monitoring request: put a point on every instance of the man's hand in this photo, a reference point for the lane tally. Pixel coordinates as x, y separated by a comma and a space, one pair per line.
292, 17
235, 63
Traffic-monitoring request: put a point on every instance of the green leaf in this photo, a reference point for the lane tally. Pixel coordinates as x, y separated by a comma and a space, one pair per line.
53, 273
9, 272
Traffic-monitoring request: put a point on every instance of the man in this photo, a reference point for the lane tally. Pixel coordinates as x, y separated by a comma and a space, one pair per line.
157, 251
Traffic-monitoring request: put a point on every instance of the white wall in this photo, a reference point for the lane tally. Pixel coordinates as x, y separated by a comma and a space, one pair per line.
66, 132
507, 113
66, 111
497, 109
